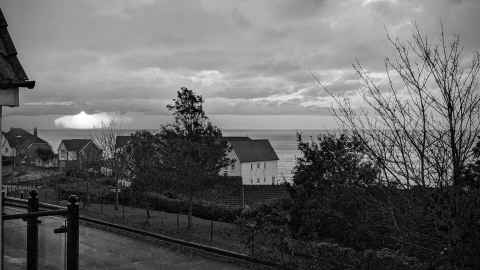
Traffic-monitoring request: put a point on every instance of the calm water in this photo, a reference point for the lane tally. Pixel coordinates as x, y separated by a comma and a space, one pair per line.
283, 141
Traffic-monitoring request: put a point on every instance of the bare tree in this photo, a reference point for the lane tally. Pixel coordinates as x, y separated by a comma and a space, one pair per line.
422, 119
113, 160
420, 125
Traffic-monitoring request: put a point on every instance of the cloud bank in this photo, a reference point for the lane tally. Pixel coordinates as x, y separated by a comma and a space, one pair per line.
245, 57
84, 120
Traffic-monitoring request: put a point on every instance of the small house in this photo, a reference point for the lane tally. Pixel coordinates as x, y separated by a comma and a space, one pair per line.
78, 154
29, 148
255, 161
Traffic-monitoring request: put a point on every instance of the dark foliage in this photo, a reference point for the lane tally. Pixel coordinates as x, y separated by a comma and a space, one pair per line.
335, 199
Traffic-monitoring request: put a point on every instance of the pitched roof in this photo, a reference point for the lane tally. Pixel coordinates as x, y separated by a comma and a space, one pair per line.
237, 138
121, 141
75, 144
20, 138
11, 71
253, 150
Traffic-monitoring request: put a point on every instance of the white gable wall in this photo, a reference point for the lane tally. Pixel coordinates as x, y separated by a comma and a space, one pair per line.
6, 149
259, 173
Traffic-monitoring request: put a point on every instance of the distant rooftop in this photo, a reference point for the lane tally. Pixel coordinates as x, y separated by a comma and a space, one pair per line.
253, 150
237, 138
20, 138
75, 144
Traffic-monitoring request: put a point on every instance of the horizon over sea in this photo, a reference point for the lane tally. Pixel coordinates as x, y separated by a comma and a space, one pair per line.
284, 141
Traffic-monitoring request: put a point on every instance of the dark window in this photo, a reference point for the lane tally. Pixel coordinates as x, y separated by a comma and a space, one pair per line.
258, 165
258, 180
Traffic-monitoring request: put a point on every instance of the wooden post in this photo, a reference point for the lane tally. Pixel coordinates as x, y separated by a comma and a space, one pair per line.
32, 232
252, 243
72, 234
211, 230
178, 222
101, 202
1, 200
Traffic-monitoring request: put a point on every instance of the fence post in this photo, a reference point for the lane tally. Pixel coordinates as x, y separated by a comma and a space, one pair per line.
252, 243
211, 230
178, 222
72, 234
32, 233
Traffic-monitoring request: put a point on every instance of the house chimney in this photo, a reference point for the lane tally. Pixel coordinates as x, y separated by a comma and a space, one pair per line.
35, 131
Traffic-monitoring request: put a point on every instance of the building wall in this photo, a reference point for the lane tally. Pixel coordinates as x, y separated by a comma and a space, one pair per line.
89, 155
234, 169
259, 173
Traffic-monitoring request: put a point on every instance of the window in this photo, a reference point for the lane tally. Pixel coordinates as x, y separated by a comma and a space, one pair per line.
264, 179
251, 180
251, 166
258, 165
264, 165
258, 180
273, 179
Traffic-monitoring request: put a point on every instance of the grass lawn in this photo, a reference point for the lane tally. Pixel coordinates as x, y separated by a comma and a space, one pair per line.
225, 235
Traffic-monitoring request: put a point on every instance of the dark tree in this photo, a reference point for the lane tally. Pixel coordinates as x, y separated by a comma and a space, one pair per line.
143, 164
192, 148
326, 178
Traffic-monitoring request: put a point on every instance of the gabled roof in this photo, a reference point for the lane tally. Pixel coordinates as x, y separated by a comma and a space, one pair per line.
121, 141
237, 138
20, 138
11, 71
253, 150
75, 144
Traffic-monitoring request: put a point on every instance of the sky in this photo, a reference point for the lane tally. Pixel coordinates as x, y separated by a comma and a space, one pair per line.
252, 60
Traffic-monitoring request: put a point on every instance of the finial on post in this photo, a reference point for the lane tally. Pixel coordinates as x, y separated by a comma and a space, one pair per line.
73, 199
33, 194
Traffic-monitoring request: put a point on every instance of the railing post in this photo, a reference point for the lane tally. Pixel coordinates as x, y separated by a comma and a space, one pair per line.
72, 234
32, 233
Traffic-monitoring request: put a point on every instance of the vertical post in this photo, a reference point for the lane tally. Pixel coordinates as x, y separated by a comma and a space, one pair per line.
101, 202
32, 233
252, 243
211, 230
72, 234
178, 222
123, 206
1, 199
243, 196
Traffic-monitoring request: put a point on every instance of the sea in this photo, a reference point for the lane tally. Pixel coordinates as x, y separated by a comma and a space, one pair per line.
284, 141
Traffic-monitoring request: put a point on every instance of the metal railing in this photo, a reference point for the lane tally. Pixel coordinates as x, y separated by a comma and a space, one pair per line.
71, 213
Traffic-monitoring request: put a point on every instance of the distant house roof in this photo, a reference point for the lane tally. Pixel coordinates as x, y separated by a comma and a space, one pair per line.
20, 139
121, 141
12, 73
237, 138
75, 144
253, 150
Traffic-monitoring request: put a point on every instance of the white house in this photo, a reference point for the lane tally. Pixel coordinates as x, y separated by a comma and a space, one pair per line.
255, 161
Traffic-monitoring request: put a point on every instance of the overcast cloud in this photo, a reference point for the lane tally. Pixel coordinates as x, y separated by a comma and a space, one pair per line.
245, 57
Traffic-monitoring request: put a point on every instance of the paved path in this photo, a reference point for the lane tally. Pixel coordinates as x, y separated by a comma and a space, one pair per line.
99, 250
